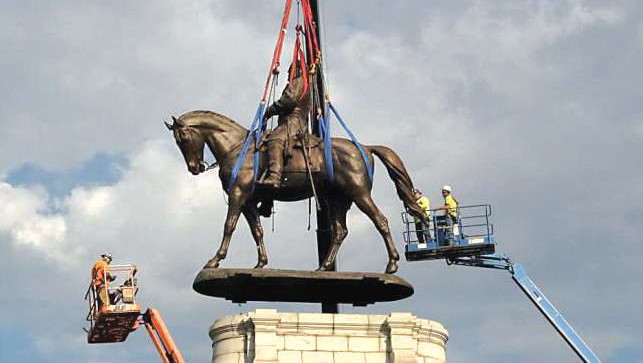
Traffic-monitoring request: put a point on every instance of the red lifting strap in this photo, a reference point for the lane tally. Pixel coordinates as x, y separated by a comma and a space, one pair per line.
298, 56
311, 34
280, 42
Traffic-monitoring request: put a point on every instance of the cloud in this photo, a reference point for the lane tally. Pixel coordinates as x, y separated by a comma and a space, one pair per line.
531, 106
26, 218
66, 64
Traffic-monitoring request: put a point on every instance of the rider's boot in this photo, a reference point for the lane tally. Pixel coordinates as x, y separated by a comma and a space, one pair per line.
275, 165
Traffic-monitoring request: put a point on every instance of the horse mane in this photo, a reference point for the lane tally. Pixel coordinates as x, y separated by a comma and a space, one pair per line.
188, 115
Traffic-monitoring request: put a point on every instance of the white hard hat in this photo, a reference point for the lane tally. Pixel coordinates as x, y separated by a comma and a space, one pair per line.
107, 256
447, 188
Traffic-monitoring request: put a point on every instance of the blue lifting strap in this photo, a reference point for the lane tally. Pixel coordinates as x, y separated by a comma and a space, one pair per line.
327, 141
255, 130
328, 157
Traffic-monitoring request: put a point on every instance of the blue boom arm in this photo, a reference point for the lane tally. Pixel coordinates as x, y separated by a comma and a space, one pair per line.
519, 275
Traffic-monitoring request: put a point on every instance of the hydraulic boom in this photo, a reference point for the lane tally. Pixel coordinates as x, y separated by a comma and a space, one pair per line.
161, 337
519, 275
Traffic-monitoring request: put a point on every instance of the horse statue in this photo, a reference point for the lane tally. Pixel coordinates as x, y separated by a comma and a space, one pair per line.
225, 137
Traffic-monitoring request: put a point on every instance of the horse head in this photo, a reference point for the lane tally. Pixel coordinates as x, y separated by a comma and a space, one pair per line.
191, 142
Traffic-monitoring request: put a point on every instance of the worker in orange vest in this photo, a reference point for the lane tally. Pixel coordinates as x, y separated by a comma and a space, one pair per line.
101, 278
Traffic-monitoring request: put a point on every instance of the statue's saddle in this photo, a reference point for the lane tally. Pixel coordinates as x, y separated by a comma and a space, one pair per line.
310, 141
296, 141
313, 144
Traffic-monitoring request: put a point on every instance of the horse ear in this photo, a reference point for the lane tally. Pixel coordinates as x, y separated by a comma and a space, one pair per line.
169, 127
178, 122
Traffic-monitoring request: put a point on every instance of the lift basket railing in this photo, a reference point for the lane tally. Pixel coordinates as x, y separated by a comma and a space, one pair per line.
120, 291
472, 221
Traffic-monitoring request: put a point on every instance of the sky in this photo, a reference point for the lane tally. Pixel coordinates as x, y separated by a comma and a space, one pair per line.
531, 106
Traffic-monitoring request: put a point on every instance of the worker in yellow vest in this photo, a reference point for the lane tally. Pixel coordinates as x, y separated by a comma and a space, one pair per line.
421, 229
101, 278
450, 204
450, 207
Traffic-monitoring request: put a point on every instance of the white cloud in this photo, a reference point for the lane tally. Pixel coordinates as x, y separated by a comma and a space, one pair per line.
42, 233
91, 202
15, 203
25, 216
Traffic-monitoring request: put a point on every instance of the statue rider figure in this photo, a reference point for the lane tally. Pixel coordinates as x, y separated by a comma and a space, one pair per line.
292, 109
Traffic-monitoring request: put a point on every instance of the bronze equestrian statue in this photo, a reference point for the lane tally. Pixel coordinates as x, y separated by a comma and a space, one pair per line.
351, 184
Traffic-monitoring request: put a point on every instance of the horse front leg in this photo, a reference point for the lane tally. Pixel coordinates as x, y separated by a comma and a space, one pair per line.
252, 216
234, 210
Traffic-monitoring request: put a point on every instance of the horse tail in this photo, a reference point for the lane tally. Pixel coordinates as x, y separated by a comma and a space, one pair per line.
400, 177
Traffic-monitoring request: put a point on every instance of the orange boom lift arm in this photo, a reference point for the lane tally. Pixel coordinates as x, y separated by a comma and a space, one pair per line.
161, 337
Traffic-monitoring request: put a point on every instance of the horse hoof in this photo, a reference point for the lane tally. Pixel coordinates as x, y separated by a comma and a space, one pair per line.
212, 264
324, 267
261, 264
391, 268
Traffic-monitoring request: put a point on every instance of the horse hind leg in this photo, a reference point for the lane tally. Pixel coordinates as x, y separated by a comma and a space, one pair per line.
365, 204
338, 226
252, 217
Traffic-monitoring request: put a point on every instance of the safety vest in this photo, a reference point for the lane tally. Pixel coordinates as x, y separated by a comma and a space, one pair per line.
453, 205
98, 272
425, 205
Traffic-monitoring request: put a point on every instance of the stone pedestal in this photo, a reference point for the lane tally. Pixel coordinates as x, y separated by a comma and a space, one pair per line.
268, 336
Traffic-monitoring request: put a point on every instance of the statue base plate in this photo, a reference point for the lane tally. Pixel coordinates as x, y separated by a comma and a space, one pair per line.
357, 288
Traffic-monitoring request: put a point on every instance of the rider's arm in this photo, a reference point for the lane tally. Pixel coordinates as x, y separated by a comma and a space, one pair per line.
288, 99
